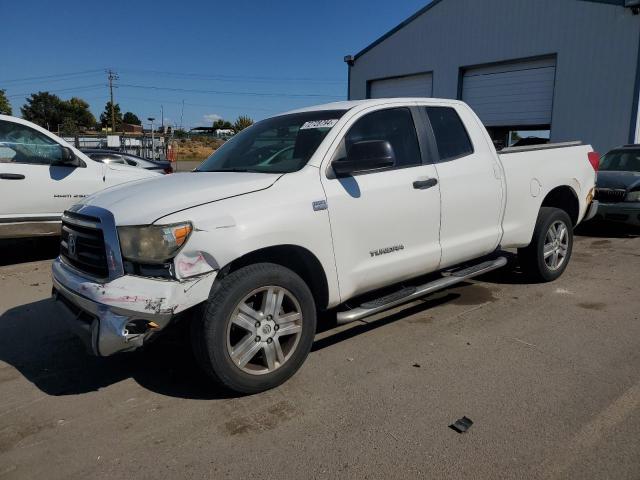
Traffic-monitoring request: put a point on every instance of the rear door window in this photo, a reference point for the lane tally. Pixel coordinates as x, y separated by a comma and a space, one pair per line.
451, 136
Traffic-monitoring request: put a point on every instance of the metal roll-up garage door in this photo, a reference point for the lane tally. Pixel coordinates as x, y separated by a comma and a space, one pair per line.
514, 94
420, 85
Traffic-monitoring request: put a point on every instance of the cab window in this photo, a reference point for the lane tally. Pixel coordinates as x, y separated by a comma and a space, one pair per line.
394, 125
22, 144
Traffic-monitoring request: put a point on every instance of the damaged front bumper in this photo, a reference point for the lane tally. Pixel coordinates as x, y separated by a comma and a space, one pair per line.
122, 314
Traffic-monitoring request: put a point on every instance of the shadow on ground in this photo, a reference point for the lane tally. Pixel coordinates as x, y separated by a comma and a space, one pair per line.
600, 229
22, 250
39, 345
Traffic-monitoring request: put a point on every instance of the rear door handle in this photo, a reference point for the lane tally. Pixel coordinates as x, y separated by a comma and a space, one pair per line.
424, 184
11, 176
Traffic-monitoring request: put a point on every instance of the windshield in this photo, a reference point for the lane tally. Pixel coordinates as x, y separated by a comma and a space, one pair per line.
281, 144
621, 161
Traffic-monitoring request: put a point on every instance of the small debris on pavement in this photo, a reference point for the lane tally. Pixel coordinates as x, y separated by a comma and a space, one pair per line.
349, 359
417, 365
563, 291
461, 425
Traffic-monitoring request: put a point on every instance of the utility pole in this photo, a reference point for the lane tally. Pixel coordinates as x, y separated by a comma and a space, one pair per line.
181, 114
111, 75
153, 141
162, 117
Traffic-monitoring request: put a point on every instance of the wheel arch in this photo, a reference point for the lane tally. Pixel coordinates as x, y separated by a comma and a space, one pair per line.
294, 257
565, 198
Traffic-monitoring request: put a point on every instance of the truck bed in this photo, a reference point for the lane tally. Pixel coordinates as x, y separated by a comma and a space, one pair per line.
532, 172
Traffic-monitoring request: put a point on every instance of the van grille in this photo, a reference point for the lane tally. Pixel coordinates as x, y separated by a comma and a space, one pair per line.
608, 195
82, 244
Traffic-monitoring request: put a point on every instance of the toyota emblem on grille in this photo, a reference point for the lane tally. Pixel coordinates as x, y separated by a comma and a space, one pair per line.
71, 245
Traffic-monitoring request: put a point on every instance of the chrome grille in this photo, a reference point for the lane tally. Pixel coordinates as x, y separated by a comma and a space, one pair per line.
610, 195
82, 244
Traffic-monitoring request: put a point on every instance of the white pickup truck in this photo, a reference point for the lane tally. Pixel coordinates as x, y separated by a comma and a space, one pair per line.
339, 206
41, 175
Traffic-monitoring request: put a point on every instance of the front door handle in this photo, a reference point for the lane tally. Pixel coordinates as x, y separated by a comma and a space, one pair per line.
424, 184
11, 176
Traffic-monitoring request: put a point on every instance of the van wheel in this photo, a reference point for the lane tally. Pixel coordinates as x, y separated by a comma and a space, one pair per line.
257, 328
548, 254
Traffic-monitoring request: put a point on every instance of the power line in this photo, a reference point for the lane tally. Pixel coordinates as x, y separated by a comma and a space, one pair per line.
45, 77
84, 87
218, 92
51, 81
155, 100
221, 77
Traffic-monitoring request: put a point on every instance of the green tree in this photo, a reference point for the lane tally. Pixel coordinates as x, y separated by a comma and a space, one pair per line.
5, 106
242, 122
77, 110
180, 133
105, 117
131, 119
44, 109
69, 127
222, 124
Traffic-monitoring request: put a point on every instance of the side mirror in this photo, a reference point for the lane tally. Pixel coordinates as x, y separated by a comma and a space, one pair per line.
365, 155
67, 158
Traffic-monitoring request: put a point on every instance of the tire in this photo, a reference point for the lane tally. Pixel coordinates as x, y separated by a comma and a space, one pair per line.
533, 262
256, 329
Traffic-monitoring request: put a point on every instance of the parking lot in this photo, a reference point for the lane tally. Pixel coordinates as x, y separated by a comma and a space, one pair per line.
549, 374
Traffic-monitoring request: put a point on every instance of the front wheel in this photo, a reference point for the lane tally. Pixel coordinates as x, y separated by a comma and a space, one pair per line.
546, 258
257, 329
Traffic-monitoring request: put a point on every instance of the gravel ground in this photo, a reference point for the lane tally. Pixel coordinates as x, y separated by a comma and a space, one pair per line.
549, 374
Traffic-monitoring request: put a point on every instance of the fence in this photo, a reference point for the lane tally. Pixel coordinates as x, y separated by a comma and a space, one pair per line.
140, 145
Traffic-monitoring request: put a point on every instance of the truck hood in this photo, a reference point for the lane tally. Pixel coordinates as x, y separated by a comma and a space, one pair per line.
618, 180
143, 202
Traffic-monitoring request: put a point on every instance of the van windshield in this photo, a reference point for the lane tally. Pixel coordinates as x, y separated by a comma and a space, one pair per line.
280, 144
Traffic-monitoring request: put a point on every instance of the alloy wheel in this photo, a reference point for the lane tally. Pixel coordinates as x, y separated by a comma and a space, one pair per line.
264, 330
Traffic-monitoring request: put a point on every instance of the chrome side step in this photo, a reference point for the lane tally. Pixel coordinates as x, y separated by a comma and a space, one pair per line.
411, 293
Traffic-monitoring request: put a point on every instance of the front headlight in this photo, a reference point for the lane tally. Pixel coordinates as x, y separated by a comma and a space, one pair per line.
633, 197
153, 243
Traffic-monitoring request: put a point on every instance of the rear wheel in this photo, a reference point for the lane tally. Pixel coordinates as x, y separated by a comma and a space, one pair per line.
546, 258
257, 328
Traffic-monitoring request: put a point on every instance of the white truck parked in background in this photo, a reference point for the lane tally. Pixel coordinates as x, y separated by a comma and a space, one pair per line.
305, 211
41, 175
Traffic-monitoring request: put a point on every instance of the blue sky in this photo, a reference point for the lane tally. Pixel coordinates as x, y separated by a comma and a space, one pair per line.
258, 57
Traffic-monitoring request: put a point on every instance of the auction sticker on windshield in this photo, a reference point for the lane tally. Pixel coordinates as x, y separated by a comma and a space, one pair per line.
319, 124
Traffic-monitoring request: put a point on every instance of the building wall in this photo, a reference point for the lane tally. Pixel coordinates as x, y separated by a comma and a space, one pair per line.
596, 46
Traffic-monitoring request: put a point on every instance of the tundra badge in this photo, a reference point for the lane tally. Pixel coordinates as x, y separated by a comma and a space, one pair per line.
383, 251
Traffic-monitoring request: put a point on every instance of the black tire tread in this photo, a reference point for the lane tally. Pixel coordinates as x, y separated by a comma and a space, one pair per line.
528, 257
220, 291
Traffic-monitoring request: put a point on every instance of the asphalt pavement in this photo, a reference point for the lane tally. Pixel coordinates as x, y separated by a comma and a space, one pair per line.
548, 373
